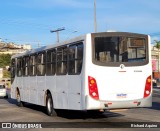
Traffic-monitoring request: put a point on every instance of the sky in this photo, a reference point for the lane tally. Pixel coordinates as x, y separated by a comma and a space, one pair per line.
30, 21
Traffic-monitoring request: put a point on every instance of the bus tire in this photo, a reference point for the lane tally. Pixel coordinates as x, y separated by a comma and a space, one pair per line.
49, 106
95, 112
19, 102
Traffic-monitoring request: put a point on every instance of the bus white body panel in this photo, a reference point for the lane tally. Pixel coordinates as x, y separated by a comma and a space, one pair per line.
67, 95
118, 88
64, 92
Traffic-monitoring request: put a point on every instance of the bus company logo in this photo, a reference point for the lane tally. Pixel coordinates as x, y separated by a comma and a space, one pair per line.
122, 66
121, 95
6, 125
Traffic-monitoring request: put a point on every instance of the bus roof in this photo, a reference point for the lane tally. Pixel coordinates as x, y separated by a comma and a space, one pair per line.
73, 40
48, 47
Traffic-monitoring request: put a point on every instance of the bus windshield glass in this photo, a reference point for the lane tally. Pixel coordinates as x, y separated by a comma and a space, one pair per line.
120, 49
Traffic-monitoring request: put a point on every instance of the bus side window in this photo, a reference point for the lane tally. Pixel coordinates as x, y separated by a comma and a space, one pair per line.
61, 61
50, 62
25, 66
12, 69
53, 62
32, 63
75, 58
19, 67
79, 57
40, 64
71, 59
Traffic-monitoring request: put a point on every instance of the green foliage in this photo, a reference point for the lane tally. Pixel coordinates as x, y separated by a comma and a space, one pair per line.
6, 74
5, 60
157, 44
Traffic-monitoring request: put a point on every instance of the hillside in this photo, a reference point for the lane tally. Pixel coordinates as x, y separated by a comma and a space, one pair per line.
5, 61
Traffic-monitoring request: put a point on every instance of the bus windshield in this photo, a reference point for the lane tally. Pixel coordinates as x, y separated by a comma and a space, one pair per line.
120, 49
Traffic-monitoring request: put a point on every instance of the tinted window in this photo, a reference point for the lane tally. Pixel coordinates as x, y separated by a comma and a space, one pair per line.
13, 69
19, 67
32, 63
41, 64
75, 54
120, 49
25, 65
61, 61
51, 62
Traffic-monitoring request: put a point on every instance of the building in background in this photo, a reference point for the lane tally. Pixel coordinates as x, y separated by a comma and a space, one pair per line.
155, 62
12, 48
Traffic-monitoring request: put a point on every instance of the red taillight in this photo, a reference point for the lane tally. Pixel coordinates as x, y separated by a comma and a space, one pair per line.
147, 90
93, 89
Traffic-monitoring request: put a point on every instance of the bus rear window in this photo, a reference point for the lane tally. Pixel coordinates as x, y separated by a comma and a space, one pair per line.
120, 49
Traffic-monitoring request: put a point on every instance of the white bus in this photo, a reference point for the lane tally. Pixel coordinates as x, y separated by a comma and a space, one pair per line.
97, 71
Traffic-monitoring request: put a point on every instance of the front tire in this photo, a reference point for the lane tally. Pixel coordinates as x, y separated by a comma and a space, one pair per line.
19, 102
49, 106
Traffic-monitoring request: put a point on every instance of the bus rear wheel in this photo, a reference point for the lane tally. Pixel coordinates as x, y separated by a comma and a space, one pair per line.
95, 112
49, 106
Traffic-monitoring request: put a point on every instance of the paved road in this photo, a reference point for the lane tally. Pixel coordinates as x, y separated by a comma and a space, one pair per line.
9, 112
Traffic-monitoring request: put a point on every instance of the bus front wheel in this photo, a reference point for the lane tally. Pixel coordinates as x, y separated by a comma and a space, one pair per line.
19, 102
49, 106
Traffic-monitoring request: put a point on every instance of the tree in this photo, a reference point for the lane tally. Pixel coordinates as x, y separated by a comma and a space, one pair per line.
6, 74
5, 61
157, 44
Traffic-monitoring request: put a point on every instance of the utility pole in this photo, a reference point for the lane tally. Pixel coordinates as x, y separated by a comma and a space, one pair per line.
95, 20
57, 31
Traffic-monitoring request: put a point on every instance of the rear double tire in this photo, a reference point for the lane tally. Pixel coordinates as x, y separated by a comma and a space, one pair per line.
49, 106
95, 112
